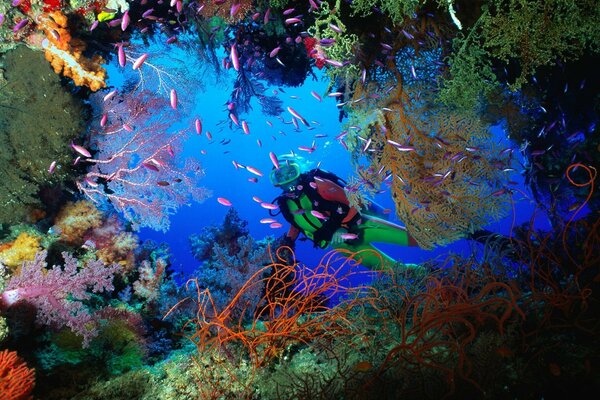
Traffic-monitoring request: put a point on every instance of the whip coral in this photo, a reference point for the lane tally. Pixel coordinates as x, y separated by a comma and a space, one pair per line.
65, 54
16, 379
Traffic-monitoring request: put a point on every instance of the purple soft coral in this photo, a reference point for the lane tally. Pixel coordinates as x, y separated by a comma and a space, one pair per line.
57, 293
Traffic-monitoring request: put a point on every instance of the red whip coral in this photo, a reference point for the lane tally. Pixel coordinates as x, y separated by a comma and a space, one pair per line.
16, 380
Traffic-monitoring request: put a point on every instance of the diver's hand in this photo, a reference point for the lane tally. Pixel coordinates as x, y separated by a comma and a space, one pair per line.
338, 236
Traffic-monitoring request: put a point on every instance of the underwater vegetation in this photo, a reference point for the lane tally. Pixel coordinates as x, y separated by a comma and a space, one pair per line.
93, 136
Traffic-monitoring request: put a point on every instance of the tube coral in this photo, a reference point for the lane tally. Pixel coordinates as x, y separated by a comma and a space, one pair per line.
65, 53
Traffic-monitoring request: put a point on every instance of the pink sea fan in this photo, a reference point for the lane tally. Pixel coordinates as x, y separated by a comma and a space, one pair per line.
137, 165
58, 293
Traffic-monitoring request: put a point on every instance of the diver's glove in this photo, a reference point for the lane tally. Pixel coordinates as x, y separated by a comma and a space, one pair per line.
337, 237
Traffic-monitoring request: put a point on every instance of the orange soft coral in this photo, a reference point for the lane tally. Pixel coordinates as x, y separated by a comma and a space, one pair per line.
65, 53
75, 219
16, 380
23, 248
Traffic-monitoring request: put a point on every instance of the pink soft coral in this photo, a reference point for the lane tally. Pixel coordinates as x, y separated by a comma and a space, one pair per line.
58, 293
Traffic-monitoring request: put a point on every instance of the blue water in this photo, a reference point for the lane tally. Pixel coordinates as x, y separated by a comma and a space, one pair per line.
209, 103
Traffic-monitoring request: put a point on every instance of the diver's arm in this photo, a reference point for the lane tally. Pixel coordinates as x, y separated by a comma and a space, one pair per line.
293, 233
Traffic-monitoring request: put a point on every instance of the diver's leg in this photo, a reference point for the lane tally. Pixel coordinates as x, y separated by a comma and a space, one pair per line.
378, 230
368, 256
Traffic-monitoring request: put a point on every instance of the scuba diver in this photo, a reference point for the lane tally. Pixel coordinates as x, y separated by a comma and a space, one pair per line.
314, 203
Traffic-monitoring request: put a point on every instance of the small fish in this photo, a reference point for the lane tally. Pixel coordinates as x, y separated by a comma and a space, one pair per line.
253, 180
267, 221
245, 127
52, 167
258, 142
109, 95
267, 16
274, 159
293, 20
234, 119
103, 120
198, 125
173, 98
150, 166
349, 236
234, 58
336, 28
253, 170
81, 150
163, 183
128, 127
274, 52
269, 206
208, 135
288, 11
147, 12
315, 95
317, 214
224, 201
20, 25
275, 225
140, 60
125, 21
257, 199
121, 55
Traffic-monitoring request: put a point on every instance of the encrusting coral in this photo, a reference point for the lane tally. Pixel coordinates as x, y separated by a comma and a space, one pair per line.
23, 248
65, 53
75, 219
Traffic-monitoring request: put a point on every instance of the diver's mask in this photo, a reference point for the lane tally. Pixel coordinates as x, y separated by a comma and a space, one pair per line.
286, 174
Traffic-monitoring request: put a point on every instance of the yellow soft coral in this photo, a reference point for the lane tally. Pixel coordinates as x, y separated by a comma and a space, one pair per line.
65, 53
75, 219
23, 248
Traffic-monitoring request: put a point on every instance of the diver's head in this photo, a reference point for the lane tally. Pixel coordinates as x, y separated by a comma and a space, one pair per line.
290, 168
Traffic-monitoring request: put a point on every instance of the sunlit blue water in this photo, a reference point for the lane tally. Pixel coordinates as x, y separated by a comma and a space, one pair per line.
208, 102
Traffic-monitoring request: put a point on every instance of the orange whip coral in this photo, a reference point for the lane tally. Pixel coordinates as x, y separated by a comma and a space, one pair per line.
16, 379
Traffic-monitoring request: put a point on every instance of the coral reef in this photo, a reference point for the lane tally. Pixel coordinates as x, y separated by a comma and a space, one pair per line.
230, 257
16, 379
58, 293
65, 54
135, 168
76, 218
446, 176
23, 248
33, 98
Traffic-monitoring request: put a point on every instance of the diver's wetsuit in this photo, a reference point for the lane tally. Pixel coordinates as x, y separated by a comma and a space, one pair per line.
318, 206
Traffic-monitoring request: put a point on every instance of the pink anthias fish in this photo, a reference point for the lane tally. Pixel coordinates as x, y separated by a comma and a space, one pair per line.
173, 98
269, 206
274, 160
253, 170
275, 225
317, 214
245, 127
349, 236
140, 61
224, 201
267, 221
234, 58
125, 20
52, 167
81, 150
198, 125
257, 199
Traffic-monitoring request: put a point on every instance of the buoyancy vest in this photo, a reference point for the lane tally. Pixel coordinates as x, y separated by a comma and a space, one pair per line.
296, 207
